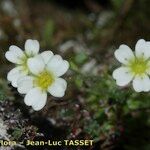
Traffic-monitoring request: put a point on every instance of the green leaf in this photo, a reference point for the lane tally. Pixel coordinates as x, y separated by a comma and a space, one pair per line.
73, 66
80, 58
117, 3
17, 133
133, 104
48, 32
79, 81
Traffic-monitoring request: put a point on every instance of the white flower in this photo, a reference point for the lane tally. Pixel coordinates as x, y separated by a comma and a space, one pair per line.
46, 69
20, 57
134, 67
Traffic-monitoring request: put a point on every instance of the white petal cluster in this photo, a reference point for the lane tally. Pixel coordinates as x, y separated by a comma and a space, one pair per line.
135, 66
36, 74
20, 58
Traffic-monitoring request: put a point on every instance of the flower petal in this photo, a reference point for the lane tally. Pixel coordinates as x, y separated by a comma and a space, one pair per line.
57, 65
122, 76
57, 89
141, 83
14, 74
25, 84
36, 64
15, 55
148, 68
36, 98
142, 48
32, 47
47, 55
124, 54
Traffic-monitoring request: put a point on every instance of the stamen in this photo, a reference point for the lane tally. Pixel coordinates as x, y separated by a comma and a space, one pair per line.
44, 80
24, 63
139, 66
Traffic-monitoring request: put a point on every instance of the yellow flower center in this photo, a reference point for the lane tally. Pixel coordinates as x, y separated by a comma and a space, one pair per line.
139, 66
44, 80
25, 66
